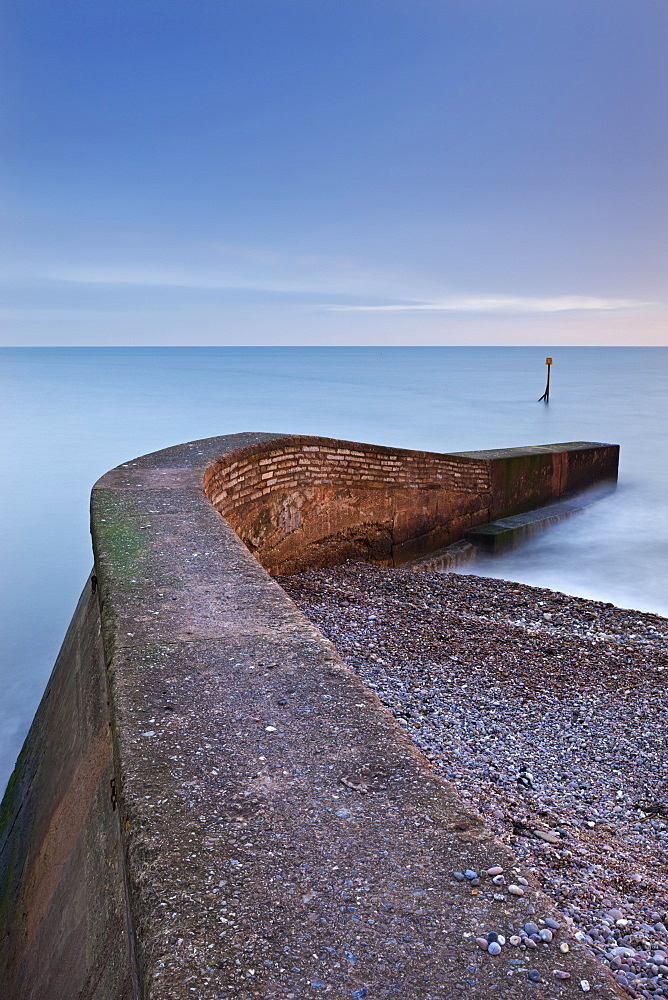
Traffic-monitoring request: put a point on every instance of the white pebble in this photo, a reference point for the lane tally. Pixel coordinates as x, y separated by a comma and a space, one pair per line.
515, 890
563, 948
584, 985
515, 940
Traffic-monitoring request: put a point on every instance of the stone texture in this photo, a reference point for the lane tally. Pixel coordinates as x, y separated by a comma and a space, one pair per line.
63, 907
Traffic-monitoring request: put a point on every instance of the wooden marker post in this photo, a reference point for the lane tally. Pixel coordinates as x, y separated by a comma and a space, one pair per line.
546, 394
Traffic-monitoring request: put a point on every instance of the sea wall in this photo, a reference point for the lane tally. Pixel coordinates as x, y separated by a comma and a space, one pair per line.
209, 803
304, 502
524, 478
64, 922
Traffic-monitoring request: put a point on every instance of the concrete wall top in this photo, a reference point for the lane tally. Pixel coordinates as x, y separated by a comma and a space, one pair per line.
494, 453
275, 818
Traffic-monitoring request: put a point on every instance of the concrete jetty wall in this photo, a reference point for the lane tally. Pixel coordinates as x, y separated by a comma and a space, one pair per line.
209, 803
64, 923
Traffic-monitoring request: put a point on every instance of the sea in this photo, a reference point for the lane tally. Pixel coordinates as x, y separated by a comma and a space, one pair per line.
67, 415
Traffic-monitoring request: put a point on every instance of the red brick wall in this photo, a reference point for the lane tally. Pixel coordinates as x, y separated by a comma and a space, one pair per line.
260, 469
303, 502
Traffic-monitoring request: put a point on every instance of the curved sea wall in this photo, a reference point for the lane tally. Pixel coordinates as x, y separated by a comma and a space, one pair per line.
306, 502
209, 803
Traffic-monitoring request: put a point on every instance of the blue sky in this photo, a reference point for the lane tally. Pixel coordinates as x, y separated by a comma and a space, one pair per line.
335, 172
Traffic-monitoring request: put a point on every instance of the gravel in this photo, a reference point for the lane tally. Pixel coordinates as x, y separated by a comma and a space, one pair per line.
548, 714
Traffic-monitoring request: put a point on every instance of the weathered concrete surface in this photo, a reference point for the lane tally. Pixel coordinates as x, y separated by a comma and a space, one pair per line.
507, 532
497, 537
523, 478
281, 835
64, 930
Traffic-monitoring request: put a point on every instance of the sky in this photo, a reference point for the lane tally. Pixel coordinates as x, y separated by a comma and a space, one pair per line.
334, 172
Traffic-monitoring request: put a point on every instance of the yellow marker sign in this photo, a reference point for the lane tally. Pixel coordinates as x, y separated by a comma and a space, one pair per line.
546, 395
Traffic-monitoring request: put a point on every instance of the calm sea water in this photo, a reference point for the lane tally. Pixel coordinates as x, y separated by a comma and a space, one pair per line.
68, 415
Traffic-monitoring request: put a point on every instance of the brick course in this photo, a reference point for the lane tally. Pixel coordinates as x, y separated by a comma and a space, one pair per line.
330, 462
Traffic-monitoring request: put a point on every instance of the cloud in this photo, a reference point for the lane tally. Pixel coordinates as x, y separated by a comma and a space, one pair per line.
142, 277
502, 304
131, 276
222, 267
336, 284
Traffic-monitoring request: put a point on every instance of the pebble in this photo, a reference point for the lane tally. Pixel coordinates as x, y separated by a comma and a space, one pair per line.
482, 943
553, 924
584, 985
470, 874
533, 975
515, 890
622, 952
563, 948
545, 934
494, 948
562, 974
530, 927
459, 876
495, 870
515, 940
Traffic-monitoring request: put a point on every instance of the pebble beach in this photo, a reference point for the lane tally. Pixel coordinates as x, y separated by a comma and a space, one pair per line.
547, 713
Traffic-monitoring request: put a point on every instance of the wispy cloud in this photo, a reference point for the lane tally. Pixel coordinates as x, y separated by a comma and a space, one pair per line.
201, 279
331, 284
221, 267
501, 304
144, 278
